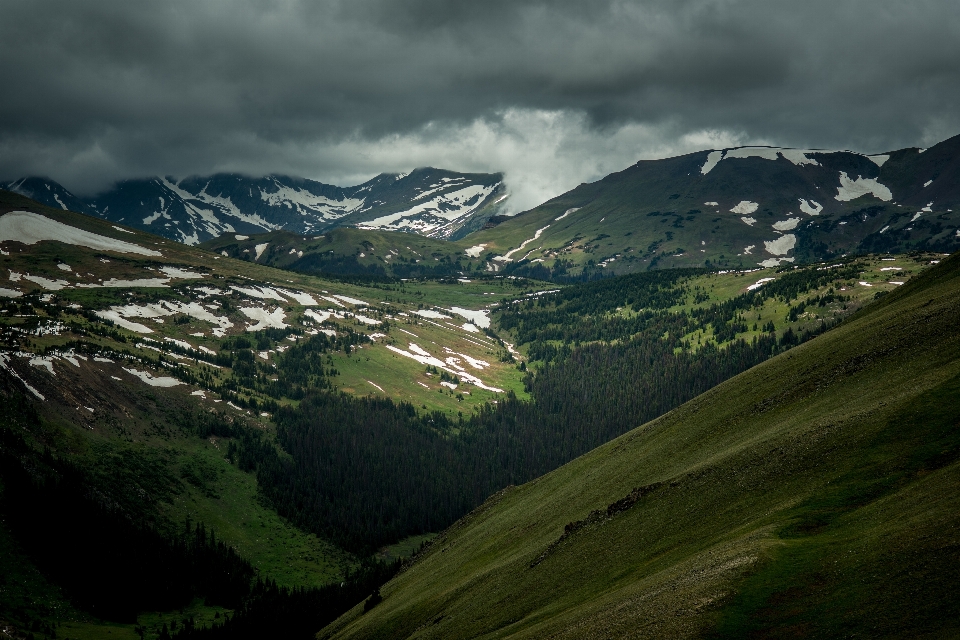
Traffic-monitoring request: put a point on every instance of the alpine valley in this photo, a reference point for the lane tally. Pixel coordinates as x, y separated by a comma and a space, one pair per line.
716, 395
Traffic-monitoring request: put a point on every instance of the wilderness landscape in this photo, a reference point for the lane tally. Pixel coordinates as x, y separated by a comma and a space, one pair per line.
541, 321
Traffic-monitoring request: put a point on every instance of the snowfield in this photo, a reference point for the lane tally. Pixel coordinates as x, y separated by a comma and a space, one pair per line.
759, 283
480, 318
782, 245
796, 156
120, 315
265, 319
786, 225
745, 207
429, 313
31, 228
852, 189
151, 380
812, 208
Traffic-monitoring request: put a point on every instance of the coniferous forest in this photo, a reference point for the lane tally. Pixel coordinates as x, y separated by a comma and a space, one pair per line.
365, 472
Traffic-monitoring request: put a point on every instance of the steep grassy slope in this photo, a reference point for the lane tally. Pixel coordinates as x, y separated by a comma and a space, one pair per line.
815, 495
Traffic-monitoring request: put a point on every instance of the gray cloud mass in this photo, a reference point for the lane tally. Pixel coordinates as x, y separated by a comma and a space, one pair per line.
552, 93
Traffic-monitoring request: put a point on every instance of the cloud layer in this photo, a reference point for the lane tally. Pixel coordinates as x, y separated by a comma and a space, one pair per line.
552, 93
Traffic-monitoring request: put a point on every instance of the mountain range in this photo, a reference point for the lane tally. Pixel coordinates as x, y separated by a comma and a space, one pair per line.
431, 202
743, 207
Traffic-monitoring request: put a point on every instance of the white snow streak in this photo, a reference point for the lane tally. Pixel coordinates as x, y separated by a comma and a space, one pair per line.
31, 228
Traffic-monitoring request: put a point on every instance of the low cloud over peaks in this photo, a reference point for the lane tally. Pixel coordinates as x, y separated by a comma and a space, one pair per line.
552, 93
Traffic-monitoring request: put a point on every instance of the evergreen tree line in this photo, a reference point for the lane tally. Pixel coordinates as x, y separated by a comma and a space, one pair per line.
365, 472
583, 313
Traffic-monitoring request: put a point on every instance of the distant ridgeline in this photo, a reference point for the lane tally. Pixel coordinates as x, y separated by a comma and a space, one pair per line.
734, 208
431, 202
737, 208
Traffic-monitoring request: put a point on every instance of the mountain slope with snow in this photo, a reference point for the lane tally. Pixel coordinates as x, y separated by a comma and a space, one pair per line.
743, 208
432, 202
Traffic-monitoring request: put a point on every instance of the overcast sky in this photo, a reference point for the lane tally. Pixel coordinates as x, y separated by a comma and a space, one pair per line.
551, 93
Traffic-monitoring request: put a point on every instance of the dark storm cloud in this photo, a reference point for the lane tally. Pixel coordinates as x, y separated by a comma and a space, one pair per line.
339, 90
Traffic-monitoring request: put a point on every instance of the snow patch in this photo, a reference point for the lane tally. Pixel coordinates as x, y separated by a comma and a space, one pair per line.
759, 283
474, 252
49, 285
812, 208
536, 235
317, 316
796, 156
43, 361
353, 301
782, 245
264, 293
30, 228
430, 313
299, 297
176, 272
852, 189
151, 380
423, 357
745, 207
480, 318
566, 213
265, 319
786, 225
774, 262
713, 158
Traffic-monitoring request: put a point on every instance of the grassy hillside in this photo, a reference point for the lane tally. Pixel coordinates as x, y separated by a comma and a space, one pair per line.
346, 251
814, 495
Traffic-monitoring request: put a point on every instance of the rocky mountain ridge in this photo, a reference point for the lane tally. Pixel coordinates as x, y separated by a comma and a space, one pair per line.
431, 202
